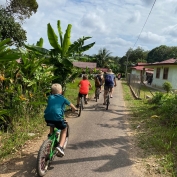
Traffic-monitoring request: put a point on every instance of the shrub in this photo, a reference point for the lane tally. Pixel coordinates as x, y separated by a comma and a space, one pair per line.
167, 86
157, 98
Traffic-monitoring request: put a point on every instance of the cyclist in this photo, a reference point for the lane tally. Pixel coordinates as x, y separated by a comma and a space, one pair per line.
54, 113
84, 86
109, 83
98, 81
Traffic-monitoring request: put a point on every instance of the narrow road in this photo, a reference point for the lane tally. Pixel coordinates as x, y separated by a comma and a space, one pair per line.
98, 144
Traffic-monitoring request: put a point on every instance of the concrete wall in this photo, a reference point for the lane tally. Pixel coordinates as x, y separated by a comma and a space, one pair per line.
172, 76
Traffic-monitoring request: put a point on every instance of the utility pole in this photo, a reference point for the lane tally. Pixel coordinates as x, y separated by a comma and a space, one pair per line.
126, 66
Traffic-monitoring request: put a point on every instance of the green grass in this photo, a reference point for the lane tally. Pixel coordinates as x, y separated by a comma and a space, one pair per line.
157, 140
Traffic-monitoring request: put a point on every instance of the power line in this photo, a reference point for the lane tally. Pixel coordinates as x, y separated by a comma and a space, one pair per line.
144, 23
138, 37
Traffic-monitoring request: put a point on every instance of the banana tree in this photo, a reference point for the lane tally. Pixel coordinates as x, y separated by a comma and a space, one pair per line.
5, 53
63, 52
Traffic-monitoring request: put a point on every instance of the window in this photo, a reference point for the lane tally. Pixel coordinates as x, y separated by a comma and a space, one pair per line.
165, 73
158, 73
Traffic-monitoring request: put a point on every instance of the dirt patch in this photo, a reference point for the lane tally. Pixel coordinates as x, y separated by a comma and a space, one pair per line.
23, 162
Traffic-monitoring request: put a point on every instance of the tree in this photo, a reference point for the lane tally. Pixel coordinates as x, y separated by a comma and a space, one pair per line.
102, 57
11, 29
63, 52
21, 9
161, 53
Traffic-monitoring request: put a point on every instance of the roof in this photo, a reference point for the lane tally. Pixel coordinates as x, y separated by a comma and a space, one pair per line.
84, 64
102, 69
171, 61
140, 68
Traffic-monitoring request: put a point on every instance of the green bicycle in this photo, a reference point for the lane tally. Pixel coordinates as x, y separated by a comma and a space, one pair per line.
48, 150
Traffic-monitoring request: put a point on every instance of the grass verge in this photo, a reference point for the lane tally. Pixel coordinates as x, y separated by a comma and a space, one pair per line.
158, 141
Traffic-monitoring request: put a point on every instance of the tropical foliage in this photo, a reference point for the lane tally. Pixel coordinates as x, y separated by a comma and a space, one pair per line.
21, 9
9, 28
63, 52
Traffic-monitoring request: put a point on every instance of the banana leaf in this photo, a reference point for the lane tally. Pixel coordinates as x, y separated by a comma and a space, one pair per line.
40, 42
66, 41
10, 57
67, 63
53, 38
37, 49
60, 33
87, 47
5, 41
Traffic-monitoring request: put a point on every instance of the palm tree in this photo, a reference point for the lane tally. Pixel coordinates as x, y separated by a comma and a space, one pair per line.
102, 57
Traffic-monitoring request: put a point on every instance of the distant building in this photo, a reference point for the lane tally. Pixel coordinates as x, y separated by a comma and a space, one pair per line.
84, 64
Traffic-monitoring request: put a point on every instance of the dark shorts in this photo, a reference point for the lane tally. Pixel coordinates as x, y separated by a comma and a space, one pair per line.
108, 87
58, 124
81, 95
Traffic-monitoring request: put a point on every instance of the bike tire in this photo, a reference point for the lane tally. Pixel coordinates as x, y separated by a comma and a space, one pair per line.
43, 158
67, 137
80, 107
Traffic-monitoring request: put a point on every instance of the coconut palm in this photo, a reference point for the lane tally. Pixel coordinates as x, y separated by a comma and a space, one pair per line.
103, 57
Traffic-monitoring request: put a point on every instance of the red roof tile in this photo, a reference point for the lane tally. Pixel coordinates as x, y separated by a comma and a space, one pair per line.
84, 64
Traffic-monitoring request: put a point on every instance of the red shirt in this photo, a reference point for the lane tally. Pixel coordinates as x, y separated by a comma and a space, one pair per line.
84, 86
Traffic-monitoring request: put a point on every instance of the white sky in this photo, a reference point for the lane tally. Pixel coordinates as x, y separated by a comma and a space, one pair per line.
113, 24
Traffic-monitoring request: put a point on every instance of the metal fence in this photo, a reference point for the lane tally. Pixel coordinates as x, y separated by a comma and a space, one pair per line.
134, 82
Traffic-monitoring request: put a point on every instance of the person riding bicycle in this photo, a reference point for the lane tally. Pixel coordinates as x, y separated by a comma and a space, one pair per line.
54, 113
109, 83
98, 82
84, 86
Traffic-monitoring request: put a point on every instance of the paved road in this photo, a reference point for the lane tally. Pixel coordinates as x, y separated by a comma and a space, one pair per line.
98, 144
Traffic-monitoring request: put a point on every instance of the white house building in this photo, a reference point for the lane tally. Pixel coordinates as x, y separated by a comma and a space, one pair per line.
164, 71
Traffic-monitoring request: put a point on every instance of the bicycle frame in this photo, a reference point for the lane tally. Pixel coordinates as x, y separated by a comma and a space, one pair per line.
54, 140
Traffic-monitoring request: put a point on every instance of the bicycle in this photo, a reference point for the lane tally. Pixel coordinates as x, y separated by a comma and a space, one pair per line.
48, 150
82, 99
107, 99
97, 93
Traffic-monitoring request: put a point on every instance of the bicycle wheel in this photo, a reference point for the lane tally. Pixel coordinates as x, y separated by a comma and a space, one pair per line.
80, 107
107, 102
67, 137
43, 158
96, 96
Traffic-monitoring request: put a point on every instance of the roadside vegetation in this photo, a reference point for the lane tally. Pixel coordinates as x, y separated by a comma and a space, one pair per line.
154, 121
33, 124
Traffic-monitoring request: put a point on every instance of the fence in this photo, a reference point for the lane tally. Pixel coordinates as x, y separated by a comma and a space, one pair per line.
134, 81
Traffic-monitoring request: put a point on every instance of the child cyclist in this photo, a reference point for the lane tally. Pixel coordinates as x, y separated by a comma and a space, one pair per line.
84, 86
54, 113
98, 81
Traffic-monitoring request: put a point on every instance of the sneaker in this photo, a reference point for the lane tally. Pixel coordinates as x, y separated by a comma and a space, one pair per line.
111, 96
60, 150
104, 103
86, 102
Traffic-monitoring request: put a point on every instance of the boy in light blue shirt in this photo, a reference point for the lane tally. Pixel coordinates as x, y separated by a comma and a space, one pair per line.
54, 113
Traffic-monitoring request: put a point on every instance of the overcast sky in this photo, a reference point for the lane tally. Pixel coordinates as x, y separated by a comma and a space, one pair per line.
112, 24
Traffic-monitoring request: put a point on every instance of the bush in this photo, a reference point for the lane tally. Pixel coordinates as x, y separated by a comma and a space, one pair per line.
157, 98
167, 86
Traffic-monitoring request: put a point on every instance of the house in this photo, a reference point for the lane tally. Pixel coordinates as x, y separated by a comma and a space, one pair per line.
84, 64
141, 71
164, 71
